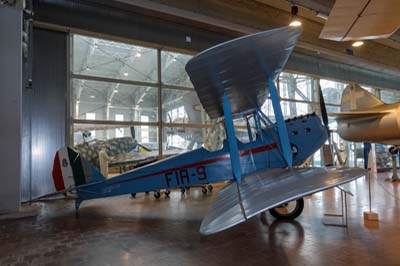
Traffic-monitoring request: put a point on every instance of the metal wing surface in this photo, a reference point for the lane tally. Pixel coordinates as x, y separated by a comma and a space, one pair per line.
267, 189
241, 69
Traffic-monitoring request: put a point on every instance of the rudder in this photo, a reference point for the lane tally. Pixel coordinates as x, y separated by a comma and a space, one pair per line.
354, 97
71, 170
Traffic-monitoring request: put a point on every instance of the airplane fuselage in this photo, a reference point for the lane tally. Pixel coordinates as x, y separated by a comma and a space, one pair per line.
200, 166
384, 129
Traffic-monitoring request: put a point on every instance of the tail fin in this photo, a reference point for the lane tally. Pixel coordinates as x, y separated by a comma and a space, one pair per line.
71, 170
356, 98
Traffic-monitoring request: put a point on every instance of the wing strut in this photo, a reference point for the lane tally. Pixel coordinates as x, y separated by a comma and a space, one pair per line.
230, 132
282, 131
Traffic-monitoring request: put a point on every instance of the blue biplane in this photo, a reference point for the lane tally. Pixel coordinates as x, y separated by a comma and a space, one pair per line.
232, 80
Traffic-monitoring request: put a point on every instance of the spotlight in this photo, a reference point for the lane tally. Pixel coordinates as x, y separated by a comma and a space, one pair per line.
92, 96
357, 43
126, 74
295, 22
115, 91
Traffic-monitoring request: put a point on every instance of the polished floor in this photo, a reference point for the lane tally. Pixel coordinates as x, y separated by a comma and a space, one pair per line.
145, 231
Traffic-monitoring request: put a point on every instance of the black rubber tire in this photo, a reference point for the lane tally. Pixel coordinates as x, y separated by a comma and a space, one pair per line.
133, 195
210, 187
204, 190
183, 190
167, 192
289, 216
157, 195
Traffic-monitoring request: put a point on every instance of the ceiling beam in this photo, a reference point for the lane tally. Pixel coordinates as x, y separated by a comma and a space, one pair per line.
245, 17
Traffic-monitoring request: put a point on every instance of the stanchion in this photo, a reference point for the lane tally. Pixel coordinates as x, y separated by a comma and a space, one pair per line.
370, 215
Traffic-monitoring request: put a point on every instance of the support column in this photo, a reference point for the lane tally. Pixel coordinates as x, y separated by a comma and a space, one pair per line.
10, 107
282, 131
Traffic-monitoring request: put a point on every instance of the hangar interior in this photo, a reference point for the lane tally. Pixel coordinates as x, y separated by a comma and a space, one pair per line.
88, 71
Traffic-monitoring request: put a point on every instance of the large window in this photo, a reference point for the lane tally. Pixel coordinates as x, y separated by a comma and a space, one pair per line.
115, 86
121, 90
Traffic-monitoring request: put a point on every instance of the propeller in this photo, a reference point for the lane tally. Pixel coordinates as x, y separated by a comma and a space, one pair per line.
324, 115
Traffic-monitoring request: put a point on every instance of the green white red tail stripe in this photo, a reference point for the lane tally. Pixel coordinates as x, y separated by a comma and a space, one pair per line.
67, 169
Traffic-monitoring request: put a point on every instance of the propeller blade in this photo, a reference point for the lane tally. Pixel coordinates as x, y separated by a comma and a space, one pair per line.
324, 113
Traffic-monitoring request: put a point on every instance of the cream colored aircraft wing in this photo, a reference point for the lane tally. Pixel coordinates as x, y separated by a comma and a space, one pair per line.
362, 19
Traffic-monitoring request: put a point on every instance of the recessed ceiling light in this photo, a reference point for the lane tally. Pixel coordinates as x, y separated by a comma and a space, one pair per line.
357, 43
92, 96
138, 54
295, 23
126, 74
87, 68
115, 91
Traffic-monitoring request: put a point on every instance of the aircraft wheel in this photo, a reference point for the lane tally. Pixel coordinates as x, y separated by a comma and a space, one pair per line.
167, 192
289, 210
183, 190
204, 190
157, 194
133, 195
210, 187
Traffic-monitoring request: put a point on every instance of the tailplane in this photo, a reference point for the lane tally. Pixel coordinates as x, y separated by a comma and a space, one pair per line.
354, 97
71, 170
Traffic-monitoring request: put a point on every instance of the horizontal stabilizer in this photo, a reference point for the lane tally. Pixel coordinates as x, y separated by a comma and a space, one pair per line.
358, 116
270, 188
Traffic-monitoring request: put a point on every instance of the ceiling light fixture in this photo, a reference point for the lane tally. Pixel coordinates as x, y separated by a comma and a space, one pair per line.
138, 54
126, 74
295, 22
357, 43
115, 91
92, 96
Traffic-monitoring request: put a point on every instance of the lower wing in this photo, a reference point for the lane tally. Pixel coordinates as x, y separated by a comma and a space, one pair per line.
270, 188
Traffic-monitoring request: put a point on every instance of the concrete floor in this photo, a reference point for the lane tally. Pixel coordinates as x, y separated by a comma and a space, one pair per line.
144, 231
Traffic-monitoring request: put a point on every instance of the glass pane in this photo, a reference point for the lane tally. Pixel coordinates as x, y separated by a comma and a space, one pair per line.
97, 100
383, 157
109, 59
268, 110
389, 96
296, 87
181, 139
332, 90
181, 106
332, 121
173, 69
291, 109
145, 135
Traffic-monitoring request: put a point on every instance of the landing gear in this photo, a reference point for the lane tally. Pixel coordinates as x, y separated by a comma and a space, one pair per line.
210, 187
167, 192
183, 190
289, 210
133, 195
204, 190
157, 194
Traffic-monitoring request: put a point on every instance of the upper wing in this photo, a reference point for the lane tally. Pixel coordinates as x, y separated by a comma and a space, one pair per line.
267, 189
241, 69
361, 19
